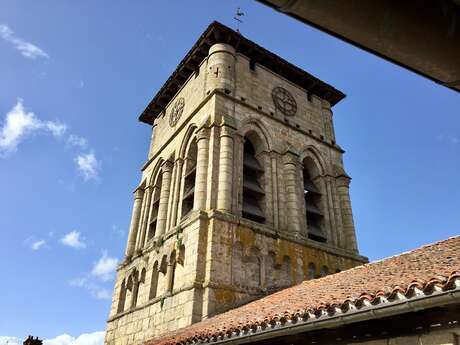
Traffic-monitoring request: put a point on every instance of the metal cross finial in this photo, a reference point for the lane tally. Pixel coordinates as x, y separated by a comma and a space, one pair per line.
238, 14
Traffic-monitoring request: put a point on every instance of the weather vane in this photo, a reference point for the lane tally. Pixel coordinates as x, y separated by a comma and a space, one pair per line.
237, 16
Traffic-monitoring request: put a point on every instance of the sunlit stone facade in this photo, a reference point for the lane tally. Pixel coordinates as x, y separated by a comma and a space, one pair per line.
240, 196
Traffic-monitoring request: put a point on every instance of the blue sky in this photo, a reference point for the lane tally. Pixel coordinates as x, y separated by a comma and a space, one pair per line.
75, 75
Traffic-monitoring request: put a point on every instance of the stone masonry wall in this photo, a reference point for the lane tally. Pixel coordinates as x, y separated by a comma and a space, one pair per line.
194, 266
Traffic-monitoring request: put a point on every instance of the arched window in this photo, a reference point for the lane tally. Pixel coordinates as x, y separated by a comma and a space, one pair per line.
129, 291
154, 207
324, 271
252, 267
311, 271
154, 281
312, 197
237, 264
253, 192
121, 300
270, 272
135, 288
285, 272
189, 179
162, 285
172, 272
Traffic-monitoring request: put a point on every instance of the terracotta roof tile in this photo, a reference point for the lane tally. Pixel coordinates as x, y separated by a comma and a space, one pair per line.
422, 269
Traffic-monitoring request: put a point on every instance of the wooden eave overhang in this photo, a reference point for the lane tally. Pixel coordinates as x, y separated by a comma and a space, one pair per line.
219, 33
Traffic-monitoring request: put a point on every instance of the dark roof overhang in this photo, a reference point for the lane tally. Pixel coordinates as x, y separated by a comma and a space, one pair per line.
422, 36
219, 33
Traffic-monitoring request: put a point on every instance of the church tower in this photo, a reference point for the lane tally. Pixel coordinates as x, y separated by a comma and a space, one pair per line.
244, 191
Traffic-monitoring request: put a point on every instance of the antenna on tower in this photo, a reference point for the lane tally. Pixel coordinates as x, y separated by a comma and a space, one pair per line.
237, 16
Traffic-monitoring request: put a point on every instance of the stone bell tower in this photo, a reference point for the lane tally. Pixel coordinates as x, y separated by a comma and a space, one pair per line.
244, 191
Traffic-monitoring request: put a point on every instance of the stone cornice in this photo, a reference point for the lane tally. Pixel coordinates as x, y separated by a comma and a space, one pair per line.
219, 33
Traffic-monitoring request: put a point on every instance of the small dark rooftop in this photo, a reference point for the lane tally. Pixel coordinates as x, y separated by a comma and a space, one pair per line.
219, 33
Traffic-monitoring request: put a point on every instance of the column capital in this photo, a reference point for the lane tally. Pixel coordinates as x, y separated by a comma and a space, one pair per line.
227, 131
343, 181
148, 188
179, 161
202, 133
274, 154
138, 193
290, 157
167, 166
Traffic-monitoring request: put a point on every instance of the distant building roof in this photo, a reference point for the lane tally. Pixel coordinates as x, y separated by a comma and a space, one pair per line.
423, 273
219, 33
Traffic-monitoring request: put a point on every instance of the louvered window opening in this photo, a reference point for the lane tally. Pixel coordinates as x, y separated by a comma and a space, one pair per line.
189, 188
315, 217
253, 193
154, 213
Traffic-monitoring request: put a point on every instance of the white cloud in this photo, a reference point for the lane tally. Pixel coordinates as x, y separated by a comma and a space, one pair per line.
103, 270
73, 239
19, 124
88, 166
75, 140
57, 129
105, 267
95, 289
37, 244
118, 231
451, 139
26, 49
95, 338
6, 340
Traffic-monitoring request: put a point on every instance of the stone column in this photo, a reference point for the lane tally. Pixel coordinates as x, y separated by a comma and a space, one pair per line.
329, 228
275, 193
343, 189
145, 217
202, 138
213, 167
164, 198
332, 211
291, 178
138, 195
225, 182
176, 190
141, 221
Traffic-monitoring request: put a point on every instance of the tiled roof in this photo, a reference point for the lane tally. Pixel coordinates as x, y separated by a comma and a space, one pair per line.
429, 270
